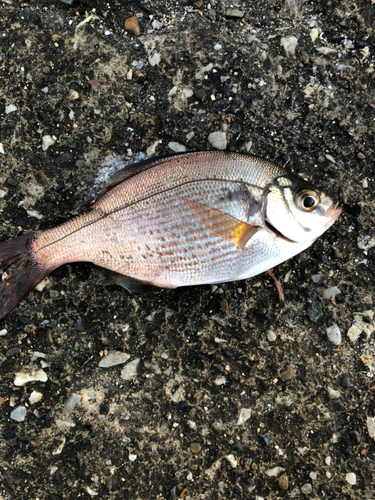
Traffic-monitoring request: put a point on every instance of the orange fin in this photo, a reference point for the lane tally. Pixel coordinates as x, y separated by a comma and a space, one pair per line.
222, 224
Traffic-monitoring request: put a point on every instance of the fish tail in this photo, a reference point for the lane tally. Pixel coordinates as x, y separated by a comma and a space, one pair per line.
25, 271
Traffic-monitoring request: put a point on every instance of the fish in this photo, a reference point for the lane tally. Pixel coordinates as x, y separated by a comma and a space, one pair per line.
179, 220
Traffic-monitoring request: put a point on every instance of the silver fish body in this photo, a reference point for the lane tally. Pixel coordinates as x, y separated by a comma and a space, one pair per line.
188, 219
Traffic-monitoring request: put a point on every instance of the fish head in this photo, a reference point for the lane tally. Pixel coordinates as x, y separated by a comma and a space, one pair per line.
296, 210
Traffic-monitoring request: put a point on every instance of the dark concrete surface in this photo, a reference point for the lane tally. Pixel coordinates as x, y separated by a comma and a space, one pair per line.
171, 430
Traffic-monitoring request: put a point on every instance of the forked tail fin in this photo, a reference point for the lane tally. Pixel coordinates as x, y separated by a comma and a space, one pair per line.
25, 272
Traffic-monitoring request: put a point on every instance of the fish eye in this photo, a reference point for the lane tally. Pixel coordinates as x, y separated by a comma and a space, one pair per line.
307, 200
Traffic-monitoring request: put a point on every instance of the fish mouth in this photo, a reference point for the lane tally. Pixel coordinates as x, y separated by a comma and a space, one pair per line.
332, 214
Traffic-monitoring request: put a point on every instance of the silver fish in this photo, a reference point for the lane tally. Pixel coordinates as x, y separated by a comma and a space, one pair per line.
186, 219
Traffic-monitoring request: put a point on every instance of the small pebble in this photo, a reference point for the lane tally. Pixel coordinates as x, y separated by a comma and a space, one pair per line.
104, 408
354, 332
271, 336
23, 378
356, 436
351, 478
195, 448
333, 394
233, 462
153, 367
330, 158
35, 397
317, 277
47, 141
345, 380
10, 109
132, 457
306, 489
12, 182
130, 369
283, 482
289, 44
2, 151
132, 26
315, 311
79, 326
328, 460
370, 421
245, 414
314, 33
266, 438
221, 380
40, 176
156, 24
46, 70
151, 150
41, 286
361, 156
64, 423
113, 358
28, 16
13, 351
73, 95
183, 407
64, 161
275, 471
224, 305
18, 414
154, 59
334, 334
289, 373
331, 292
218, 426
218, 140
326, 50
95, 84
73, 401
237, 13
176, 147
35, 214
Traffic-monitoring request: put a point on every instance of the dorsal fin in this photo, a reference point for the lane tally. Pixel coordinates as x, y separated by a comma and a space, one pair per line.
134, 169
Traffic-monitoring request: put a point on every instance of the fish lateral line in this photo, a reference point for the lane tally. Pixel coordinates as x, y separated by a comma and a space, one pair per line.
129, 205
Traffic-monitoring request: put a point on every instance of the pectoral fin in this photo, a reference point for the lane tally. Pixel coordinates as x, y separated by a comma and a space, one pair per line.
222, 224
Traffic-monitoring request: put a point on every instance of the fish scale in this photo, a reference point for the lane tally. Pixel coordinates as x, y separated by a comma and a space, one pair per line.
186, 219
